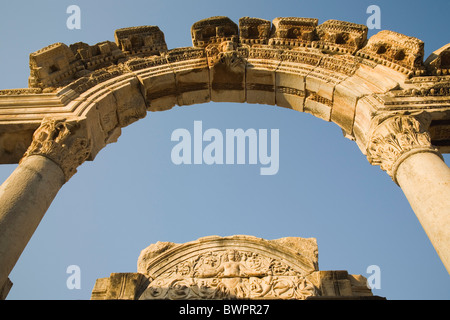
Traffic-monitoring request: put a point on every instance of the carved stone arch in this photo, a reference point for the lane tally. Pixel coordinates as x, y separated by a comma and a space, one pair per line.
382, 94
230, 267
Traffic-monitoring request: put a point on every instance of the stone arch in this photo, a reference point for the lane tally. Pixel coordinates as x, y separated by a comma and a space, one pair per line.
379, 91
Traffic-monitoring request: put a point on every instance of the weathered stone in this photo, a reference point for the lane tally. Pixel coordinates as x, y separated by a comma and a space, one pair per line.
214, 30
235, 267
293, 32
52, 65
341, 36
396, 50
80, 96
144, 40
438, 63
254, 31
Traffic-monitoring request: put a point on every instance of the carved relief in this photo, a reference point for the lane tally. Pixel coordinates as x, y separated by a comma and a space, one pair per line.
91, 79
396, 50
293, 32
52, 65
230, 273
100, 55
234, 267
342, 36
214, 30
57, 140
226, 54
144, 40
219, 68
254, 31
438, 63
230, 288
21, 91
394, 139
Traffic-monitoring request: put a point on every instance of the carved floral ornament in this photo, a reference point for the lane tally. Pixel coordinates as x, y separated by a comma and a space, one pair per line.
56, 139
229, 268
396, 138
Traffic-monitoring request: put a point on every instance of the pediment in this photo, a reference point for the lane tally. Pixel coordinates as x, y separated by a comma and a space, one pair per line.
241, 267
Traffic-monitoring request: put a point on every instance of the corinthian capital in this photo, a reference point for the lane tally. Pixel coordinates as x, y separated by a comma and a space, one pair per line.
62, 142
395, 139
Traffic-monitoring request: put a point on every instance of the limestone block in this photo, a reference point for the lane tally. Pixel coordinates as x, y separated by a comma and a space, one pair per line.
5, 288
254, 30
119, 286
317, 109
52, 65
130, 102
341, 36
399, 52
100, 55
100, 289
193, 86
320, 85
290, 90
365, 109
160, 89
143, 40
228, 79
377, 79
438, 63
345, 96
293, 32
233, 267
106, 106
214, 30
335, 283
190, 66
260, 84
97, 135
359, 285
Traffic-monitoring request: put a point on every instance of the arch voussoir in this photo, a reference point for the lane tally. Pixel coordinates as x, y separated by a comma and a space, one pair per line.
331, 71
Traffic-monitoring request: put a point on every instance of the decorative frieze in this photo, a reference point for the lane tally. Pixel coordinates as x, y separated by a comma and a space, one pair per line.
235, 267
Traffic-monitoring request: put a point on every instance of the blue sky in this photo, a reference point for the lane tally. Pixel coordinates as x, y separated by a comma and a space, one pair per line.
132, 195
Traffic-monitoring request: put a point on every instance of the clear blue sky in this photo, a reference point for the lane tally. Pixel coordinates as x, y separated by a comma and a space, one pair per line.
132, 195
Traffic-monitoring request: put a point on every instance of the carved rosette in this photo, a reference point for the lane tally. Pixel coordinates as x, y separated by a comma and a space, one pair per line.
57, 140
395, 139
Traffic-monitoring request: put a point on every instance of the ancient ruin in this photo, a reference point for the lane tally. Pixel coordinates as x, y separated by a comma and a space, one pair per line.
228, 268
384, 94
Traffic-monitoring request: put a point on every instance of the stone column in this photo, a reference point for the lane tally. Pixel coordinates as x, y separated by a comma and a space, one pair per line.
25, 196
401, 146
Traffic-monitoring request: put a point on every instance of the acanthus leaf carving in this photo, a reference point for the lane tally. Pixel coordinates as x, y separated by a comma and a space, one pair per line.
56, 140
396, 138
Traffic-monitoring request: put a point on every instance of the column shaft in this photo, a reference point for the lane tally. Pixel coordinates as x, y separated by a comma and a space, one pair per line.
425, 181
24, 198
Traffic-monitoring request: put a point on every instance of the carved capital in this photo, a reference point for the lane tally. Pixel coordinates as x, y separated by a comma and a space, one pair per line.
395, 139
60, 141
